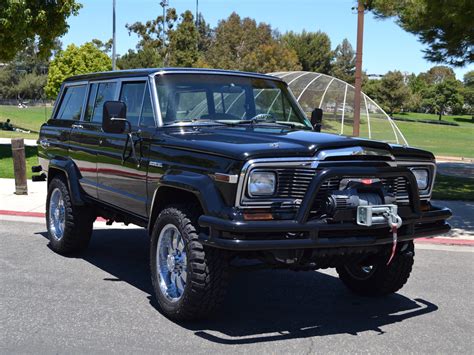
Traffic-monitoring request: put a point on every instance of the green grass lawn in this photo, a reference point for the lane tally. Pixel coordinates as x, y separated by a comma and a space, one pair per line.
439, 139
462, 120
453, 188
6, 161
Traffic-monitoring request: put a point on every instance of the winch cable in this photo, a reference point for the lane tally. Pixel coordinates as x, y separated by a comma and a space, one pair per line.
394, 222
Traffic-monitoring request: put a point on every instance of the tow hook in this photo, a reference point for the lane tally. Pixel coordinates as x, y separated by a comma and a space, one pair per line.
381, 214
394, 222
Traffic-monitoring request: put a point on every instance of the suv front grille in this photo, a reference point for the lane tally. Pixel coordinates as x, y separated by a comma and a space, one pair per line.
293, 183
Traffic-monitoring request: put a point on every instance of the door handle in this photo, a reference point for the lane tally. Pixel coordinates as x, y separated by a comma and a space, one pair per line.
77, 126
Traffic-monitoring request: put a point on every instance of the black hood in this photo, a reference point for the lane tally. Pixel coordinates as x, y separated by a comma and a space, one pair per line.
243, 143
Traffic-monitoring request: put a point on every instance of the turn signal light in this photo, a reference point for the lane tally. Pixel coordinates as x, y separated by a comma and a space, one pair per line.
257, 216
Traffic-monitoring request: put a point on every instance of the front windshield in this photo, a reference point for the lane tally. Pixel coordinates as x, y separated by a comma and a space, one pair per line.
226, 99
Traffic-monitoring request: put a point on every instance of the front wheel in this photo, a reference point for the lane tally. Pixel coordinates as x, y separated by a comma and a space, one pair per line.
189, 279
374, 278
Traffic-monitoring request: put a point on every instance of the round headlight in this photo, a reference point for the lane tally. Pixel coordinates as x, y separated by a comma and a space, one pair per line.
262, 183
422, 178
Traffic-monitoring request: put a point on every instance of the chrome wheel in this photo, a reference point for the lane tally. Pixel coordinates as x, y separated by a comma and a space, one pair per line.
57, 214
171, 262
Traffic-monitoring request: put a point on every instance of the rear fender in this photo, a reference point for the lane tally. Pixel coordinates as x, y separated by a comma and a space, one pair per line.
72, 174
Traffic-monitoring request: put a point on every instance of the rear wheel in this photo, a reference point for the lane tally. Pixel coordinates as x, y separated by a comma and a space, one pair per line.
69, 226
375, 278
189, 279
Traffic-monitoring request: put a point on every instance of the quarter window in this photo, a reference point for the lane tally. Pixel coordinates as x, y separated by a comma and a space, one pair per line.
71, 103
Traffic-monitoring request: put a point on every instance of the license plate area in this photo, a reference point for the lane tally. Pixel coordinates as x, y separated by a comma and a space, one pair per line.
375, 214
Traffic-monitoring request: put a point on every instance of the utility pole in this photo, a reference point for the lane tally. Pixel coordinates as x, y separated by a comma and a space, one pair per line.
114, 56
358, 71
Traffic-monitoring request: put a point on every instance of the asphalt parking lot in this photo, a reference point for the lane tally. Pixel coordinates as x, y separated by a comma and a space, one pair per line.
101, 302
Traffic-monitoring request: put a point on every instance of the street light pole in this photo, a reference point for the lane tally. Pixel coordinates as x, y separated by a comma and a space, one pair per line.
358, 69
163, 4
114, 56
197, 13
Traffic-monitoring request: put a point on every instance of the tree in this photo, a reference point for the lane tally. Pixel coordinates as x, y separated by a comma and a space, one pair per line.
343, 66
30, 86
390, 92
74, 61
438, 74
105, 47
312, 48
183, 42
444, 26
151, 32
26, 20
142, 58
25, 76
468, 92
444, 96
242, 44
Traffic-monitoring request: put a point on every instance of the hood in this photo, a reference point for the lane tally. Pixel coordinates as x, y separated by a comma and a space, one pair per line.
243, 143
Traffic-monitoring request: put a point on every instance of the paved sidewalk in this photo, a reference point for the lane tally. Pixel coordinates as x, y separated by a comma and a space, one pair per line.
35, 201
28, 142
33, 205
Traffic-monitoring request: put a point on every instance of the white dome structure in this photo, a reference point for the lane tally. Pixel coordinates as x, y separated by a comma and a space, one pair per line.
336, 98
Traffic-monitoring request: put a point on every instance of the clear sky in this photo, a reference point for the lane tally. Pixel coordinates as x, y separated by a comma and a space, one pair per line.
386, 45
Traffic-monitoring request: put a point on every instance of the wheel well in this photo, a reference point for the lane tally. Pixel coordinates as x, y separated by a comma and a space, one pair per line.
166, 196
53, 172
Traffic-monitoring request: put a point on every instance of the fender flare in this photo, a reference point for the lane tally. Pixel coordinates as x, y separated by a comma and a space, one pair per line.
72, 175
202, 186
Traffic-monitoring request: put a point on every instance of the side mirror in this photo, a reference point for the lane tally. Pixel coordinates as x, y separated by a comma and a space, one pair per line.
114, 117
316, 119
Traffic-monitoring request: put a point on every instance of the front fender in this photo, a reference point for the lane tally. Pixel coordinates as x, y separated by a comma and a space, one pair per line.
202, 186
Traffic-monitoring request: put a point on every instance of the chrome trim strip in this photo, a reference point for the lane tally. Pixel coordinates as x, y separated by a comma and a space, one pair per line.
351, 151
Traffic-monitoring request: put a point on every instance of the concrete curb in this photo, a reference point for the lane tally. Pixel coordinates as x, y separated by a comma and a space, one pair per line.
434, 240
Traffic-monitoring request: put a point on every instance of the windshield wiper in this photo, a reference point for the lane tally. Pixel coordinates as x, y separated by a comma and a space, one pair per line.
265, 118
193, 120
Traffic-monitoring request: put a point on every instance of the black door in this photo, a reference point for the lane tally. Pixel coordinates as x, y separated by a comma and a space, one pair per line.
86, 135
55, 134
122, 159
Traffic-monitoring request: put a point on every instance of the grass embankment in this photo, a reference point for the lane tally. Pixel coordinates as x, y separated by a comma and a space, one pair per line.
28, 119
6, 161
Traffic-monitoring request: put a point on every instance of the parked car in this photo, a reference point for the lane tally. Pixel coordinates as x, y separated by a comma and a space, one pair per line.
224, 165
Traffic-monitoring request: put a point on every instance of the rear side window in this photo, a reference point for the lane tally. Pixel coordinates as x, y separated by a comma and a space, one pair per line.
105, 92
71, 103
132, 96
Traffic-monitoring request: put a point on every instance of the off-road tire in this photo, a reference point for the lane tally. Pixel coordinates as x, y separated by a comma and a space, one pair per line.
78, 222
207, 268
385, 279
